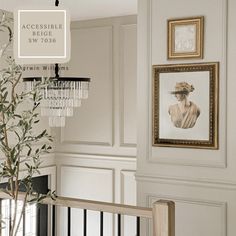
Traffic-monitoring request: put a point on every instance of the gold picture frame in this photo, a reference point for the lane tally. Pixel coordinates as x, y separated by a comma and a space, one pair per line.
185, 105
185, 38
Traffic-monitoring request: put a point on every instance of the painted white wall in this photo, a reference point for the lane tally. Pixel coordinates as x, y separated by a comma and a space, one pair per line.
201, 182
96, 151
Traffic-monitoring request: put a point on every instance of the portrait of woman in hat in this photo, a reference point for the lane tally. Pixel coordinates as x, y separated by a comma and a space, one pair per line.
185, 113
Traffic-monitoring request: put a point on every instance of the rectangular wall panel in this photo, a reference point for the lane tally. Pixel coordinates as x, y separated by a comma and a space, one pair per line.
215, 34
91, 57
215, 50
105, 124
128, 196
92, 184
128, 81
196, 217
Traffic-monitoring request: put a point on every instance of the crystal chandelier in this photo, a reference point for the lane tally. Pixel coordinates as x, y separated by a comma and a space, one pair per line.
60, 96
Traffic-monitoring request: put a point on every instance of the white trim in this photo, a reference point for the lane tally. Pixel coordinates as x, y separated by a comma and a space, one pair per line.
190, 182
122, 29
62, 155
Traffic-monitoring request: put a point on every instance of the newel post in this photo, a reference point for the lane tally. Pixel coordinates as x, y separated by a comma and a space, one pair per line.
164, 218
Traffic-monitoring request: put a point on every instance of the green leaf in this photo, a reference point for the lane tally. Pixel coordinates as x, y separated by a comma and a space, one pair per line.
29, 152
18, 116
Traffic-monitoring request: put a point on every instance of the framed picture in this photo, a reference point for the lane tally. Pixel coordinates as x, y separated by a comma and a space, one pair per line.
185, 105
185, 38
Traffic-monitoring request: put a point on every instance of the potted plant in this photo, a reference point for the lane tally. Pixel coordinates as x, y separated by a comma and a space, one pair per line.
20, 146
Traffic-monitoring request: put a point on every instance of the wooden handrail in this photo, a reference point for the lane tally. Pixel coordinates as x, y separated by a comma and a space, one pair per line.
162, 213
92, 205
100, 206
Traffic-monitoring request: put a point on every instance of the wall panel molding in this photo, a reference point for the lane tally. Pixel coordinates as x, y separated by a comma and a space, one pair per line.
222, 206
97, 150
105, 32
108, 171
174, 156
106, 144
103, 136
128, 191
87, 183
65, 155
124, 77
125, 174
196, 182
199, 158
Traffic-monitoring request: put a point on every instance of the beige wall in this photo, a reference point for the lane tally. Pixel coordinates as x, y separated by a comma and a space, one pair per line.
201, 182
95, 153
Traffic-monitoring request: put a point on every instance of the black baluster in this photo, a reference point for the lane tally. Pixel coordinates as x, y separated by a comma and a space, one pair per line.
56, 70
39, 219
69, 220
23, 222
138, 226
101, 223
53, 220
57, 3
10, 218
85, 222
119, 225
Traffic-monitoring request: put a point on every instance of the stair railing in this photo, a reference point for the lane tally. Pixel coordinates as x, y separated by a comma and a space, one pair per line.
162, 213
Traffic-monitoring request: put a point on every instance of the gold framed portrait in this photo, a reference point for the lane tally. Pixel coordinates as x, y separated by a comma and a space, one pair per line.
185, 105
185, 38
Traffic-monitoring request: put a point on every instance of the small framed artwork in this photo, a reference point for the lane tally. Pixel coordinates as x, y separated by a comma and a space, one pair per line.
185, 38
185, 105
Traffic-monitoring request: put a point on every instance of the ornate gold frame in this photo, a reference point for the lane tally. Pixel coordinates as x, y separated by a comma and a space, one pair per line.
213, 68
172, 23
